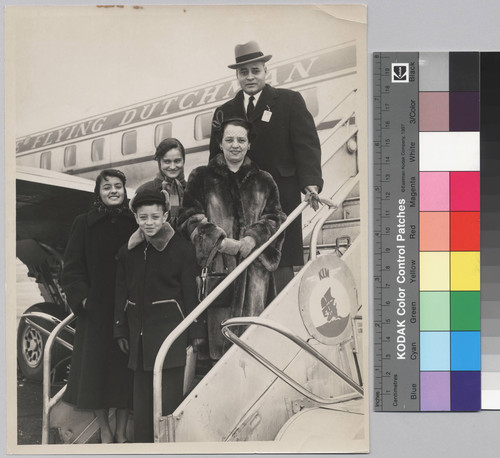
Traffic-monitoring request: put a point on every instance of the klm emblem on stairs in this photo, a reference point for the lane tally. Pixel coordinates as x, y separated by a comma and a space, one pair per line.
327, 300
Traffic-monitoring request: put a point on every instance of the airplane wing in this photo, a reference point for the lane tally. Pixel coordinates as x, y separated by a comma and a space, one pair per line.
47, 202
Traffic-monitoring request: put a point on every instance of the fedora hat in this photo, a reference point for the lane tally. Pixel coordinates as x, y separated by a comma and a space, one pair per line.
248, 52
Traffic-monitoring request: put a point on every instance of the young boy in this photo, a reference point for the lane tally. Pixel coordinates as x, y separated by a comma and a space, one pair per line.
155, 290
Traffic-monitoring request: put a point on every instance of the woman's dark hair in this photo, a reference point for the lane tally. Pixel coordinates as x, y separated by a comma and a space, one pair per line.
166, 145
235, 122
106, 173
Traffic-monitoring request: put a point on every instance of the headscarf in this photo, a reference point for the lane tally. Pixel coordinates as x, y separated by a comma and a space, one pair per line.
175, 188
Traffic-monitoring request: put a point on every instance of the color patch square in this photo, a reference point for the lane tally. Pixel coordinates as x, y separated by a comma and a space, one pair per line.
434, 351
465, 310
433, 71
434, 231
434, 111
464, 111
465, 351
465, 391
465, 271
464, 231
435, 391
434, 191
464, 191
435, 311
464, 71
434, 271
447, 151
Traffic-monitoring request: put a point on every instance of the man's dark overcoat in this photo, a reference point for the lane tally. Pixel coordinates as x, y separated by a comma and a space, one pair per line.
287, 147
219, 203
99, 377
155, 291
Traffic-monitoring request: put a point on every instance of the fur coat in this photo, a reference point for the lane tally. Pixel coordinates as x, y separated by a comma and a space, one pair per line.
219, 203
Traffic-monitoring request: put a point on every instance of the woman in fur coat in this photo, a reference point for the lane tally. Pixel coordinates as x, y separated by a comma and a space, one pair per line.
232, 204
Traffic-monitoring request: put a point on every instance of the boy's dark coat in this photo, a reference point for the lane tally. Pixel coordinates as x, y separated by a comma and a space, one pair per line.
155, 290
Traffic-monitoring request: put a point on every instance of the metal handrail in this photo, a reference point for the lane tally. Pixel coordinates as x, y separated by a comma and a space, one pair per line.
246, 321
202, 306
352, 91
339, 197
340, 124
47, 333
49, 402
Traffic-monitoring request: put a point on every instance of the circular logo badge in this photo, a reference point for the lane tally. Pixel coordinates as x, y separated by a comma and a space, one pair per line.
328, 299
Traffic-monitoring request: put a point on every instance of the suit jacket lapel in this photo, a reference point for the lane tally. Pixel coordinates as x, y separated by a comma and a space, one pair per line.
266, 100
239, 105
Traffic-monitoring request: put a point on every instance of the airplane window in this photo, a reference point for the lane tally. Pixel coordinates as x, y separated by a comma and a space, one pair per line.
97, 153
45, 160
311, 97
70, 156
203, 125
129, 142
162, 131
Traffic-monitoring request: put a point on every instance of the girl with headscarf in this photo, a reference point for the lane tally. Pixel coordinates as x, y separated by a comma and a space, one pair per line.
171, 157
99, 378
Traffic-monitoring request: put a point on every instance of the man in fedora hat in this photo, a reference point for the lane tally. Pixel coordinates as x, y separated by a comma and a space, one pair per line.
285, 143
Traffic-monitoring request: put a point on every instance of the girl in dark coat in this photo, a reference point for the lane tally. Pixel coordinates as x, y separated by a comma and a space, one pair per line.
99, 378
155, 291
235, 205
171, 157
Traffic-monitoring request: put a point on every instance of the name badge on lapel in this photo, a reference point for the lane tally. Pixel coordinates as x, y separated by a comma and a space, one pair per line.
266, 116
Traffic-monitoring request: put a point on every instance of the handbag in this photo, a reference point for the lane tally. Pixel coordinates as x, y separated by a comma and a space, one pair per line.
208, 281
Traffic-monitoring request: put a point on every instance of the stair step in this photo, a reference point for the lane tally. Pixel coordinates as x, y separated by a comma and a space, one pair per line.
349, 209
329, 248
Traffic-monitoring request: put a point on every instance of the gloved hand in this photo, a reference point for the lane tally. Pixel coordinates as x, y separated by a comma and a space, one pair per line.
312, 197
230, 246
247, 244
123, 344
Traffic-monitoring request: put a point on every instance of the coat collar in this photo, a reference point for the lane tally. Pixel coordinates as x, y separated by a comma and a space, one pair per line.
94, 215
218, 164
159, 241
266, 100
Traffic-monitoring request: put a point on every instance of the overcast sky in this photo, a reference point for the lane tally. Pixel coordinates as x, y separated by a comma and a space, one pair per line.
75, 62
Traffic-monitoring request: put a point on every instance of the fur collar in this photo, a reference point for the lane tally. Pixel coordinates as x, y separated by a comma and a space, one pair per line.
218, 163
159, 241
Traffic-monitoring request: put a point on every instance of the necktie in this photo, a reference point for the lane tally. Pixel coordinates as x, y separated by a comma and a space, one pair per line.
250, 106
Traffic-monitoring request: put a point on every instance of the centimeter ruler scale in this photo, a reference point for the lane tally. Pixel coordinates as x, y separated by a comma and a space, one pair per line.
426, 231
396, 233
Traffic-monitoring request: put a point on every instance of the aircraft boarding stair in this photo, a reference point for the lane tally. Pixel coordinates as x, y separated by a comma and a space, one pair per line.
242, 399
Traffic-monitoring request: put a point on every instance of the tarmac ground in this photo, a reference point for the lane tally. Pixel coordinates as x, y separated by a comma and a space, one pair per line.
29, 412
